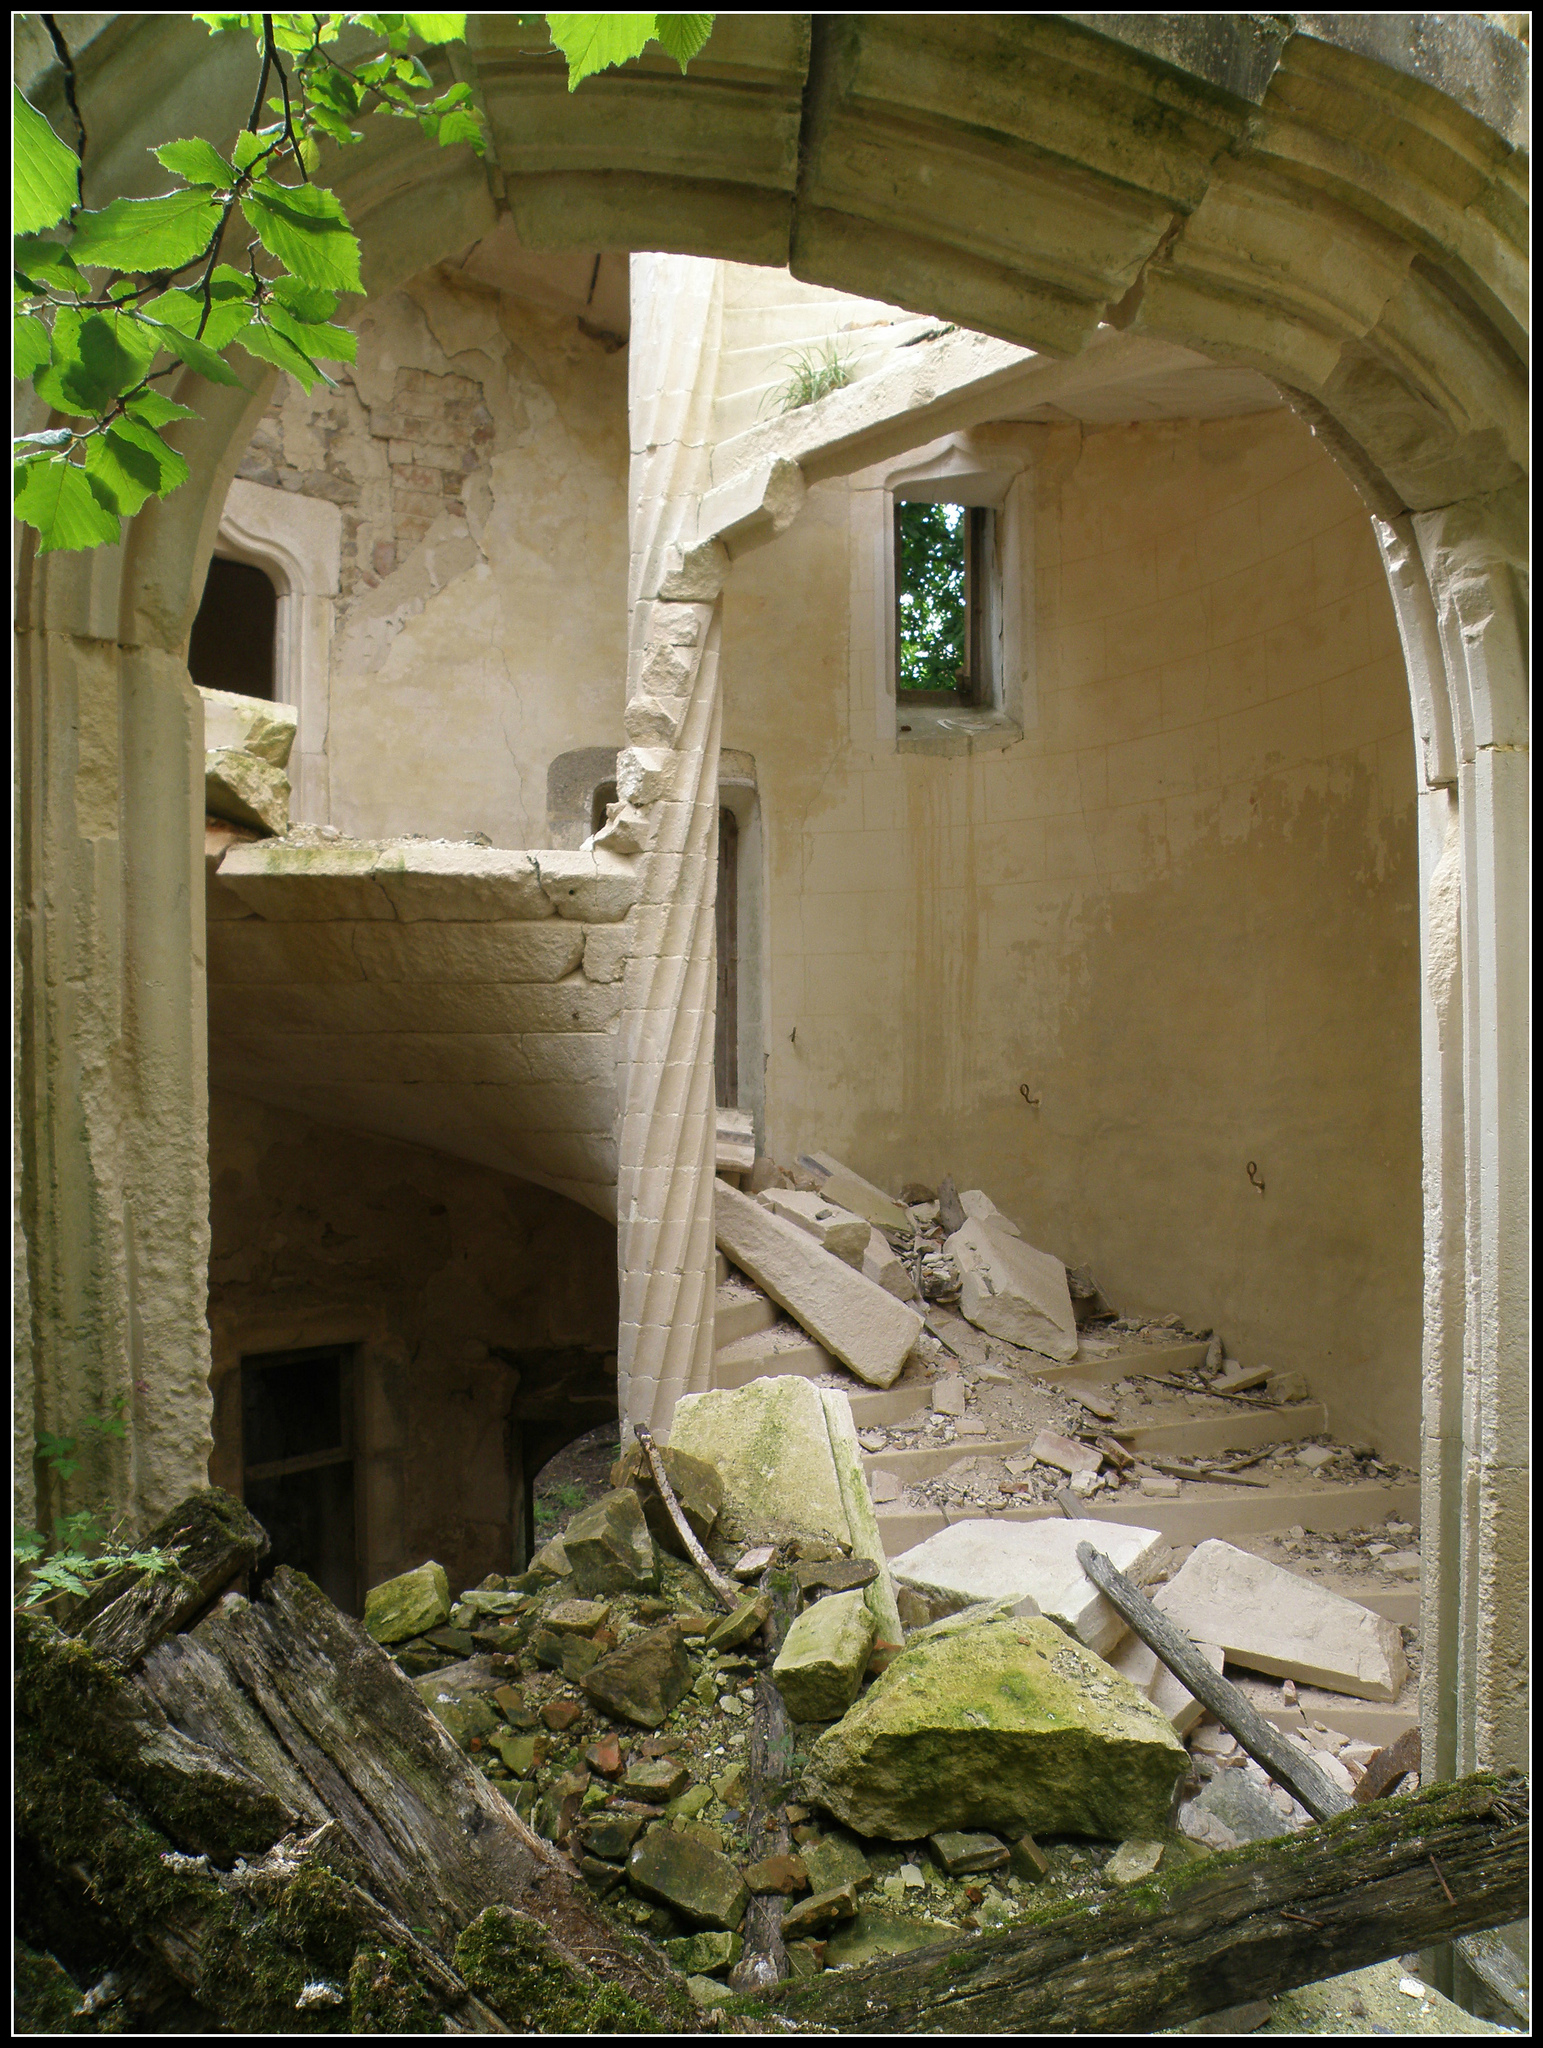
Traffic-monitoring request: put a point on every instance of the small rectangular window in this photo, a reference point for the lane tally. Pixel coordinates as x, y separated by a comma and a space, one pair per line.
944, 566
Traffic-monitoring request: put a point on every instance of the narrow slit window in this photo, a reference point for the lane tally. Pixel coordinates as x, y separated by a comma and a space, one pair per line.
234, 634
943, 571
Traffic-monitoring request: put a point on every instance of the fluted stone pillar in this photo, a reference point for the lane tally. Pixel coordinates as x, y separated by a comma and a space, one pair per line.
667, 780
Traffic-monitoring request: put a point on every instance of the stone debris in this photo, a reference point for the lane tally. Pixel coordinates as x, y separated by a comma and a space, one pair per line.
838, 1231
1012, 1291
1005, 1725
858, 1322
821, 1663
1133, 1861
840, 1184
880, 1265
609, 1547
1140, 1665
1273, 1621
407, 1606
1067, 1456
1033, 1566
695, 1484
965, 1855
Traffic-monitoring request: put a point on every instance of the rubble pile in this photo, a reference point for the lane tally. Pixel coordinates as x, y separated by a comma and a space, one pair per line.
973, 1728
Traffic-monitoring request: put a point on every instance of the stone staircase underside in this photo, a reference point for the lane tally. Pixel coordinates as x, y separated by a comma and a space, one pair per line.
461, 997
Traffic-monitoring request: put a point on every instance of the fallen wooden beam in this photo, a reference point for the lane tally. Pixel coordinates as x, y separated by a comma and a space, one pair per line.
1286, 1763
210, 1540
1372, 1883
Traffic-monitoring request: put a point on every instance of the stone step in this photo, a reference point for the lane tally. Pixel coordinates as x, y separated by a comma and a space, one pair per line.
1141, 1361
1221, 1512
910, 1467
737, 1314
883, 1407
756, 1358
1212, 1436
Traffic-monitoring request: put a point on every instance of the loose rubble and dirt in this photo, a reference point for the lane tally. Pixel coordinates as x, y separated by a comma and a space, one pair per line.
809, 1749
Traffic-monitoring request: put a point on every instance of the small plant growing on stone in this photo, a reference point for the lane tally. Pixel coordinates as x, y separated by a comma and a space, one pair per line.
84, 1551
814, 374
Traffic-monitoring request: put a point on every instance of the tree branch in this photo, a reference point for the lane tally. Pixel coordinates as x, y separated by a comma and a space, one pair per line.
67, 65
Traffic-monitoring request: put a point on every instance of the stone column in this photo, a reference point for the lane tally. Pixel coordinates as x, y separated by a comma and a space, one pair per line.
667, 781
1457, 578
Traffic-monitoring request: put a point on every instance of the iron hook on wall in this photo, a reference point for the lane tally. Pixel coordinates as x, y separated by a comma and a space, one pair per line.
1253, 1177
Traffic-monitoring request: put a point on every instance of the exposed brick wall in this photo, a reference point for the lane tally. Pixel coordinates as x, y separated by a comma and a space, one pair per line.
392, 469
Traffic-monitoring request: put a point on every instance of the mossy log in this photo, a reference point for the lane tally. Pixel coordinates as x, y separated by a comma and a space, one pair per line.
211, 1540
269, 1821
1368, 1884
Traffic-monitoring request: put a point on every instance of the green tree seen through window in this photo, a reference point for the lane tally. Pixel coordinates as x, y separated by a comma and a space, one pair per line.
931, 595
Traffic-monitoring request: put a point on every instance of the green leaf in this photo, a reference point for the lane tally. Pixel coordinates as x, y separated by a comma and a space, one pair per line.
56, 497
196, 355
147, 234
457, 96
47, 263
594, 42
95, 356
157, 410
682, 35
315, 338
304, 301
31, 348
197, 161
131, 462
269, 346
249, 147
306, 228
230, 308
26, 1544
435, 29
461, 126
44, 171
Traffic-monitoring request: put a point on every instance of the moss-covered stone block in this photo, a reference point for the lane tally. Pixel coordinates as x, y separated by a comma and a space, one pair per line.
409, 1605
1008, 1726
823, 1656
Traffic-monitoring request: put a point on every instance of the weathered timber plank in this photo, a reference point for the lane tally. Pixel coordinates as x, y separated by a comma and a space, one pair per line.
212, 1539
1366, 1885
197, 1694
771, 1766
1285, 1762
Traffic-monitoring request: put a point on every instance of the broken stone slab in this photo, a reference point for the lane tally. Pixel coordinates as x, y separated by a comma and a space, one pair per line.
609, 1547
1032, 1565
979, 1208
769, 1443
642, 1680
1012, 1291
836, 1230
884, 1487
251, 725
676, 1871
777, 1876
735, 1141
699, 1955
409, 1605
748, 1615
965, 1855
949, 1397
1269, 1620
1148, 1674
246, 791
576, 1617
823, 1657
1007, 1726
658, 1779
880, 1265
876, 1931
862, 1524
833, 1859
1050, 1448
867, 1329
1133, 1861
1243, 1807
821, 1910
836, 1575
839, 1183
754, 1562
693, 1481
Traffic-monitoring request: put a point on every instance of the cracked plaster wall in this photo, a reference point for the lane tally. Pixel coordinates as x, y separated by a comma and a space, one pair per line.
478, 453
1182, 910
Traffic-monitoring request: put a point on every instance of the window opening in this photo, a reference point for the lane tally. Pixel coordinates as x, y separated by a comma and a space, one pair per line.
943, 556
234, 634
604, 797
726, 1039
297, 1451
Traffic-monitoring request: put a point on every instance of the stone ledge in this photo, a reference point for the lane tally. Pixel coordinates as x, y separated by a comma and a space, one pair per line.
927, 729
316, 880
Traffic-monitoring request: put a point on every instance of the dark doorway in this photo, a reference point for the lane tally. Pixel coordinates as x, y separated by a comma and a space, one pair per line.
726, 1043
297, 1452
559, 1395
234, 632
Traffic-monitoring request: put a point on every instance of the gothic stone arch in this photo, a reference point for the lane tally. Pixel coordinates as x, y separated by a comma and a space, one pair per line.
1336, 201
